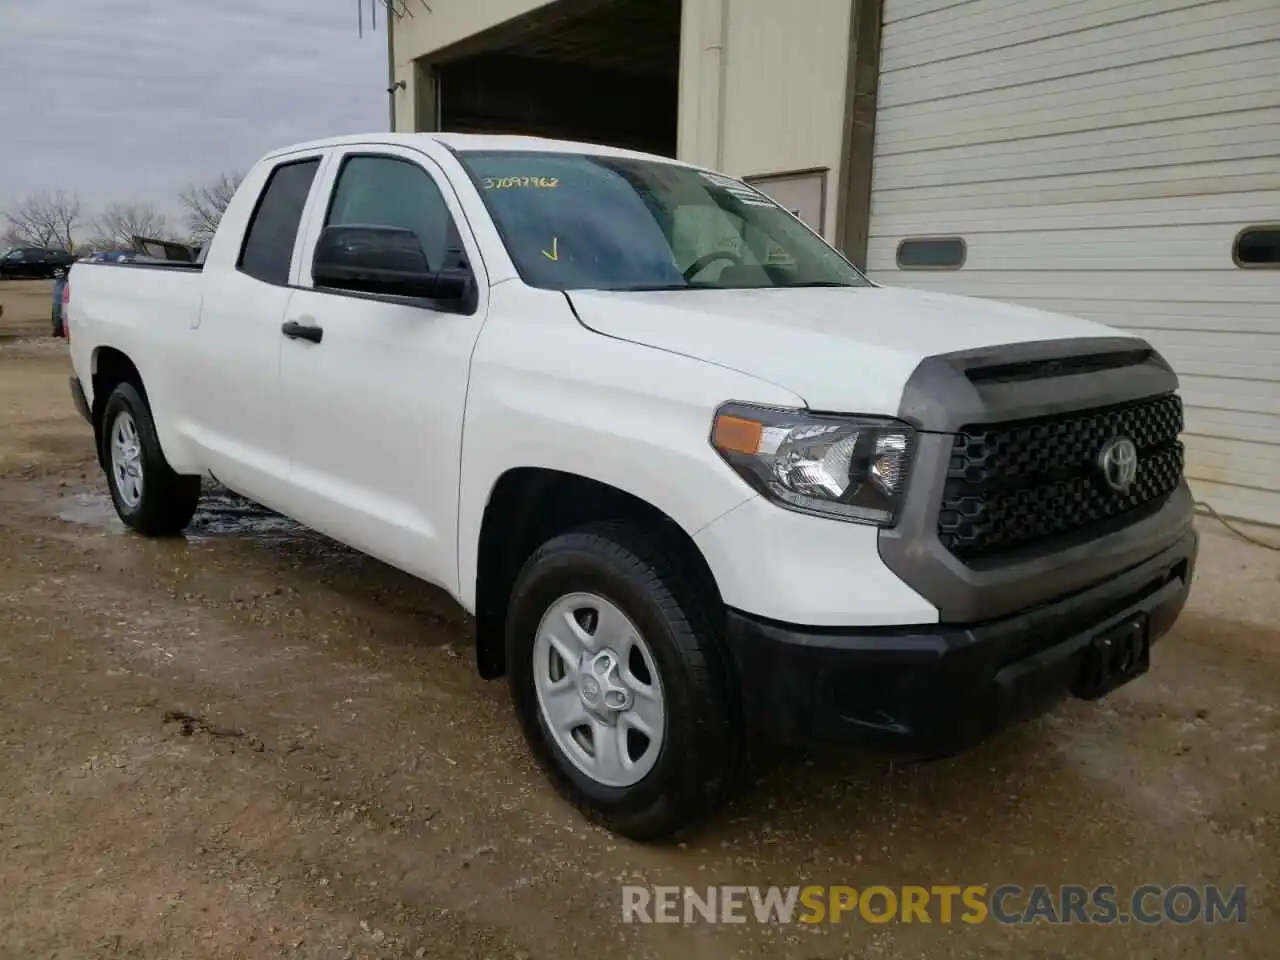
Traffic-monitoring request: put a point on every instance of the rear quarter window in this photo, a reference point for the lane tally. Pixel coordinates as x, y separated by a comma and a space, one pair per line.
273, 229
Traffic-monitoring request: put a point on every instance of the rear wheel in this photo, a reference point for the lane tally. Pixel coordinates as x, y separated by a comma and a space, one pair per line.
148, 495
620, 682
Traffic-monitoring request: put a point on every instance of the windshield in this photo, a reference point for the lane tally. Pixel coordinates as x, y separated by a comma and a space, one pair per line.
574, 221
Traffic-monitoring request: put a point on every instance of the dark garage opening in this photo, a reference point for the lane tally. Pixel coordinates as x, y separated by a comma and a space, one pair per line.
602, 71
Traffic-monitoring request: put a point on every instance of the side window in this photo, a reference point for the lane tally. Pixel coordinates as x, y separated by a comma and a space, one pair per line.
268, 243
1258, 247
932, 253
389, 192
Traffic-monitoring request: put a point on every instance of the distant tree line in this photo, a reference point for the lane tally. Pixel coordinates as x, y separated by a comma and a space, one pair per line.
60, 221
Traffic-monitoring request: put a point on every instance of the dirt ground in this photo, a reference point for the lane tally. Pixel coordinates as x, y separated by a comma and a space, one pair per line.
253, 742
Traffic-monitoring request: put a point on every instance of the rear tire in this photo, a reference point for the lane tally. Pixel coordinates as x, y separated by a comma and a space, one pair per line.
669, 671
148, 496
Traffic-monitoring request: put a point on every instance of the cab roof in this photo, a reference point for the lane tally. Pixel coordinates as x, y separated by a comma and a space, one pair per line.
464, 142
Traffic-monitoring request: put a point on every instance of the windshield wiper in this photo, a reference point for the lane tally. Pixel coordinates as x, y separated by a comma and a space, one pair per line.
823, 283
657, 287
650, 288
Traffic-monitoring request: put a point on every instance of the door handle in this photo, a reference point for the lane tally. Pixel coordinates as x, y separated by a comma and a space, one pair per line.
301, 331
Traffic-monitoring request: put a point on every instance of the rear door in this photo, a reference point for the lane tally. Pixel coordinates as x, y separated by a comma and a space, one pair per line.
233, 389
373, 411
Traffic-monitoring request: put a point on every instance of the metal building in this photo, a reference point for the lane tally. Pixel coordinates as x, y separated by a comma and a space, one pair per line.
1115, 160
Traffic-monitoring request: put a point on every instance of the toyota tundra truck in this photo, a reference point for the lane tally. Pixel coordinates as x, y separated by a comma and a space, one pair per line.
702, 484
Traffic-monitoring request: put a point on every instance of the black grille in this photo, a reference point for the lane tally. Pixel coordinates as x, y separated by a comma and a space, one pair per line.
1011, 485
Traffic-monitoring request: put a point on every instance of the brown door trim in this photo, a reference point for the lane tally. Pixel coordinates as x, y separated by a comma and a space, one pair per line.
862, 83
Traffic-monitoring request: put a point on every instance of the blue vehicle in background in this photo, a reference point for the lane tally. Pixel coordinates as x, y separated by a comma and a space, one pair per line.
59, 285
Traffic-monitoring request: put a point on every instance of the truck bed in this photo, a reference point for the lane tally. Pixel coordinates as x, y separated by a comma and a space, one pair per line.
151, 263
141, 309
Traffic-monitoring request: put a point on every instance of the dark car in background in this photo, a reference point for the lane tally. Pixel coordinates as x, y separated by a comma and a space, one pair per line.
35, 263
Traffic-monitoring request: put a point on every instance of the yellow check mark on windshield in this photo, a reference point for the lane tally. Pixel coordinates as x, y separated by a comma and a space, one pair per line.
554, 253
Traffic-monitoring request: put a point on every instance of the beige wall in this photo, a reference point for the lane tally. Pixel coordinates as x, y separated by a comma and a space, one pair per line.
762, 87
762, 82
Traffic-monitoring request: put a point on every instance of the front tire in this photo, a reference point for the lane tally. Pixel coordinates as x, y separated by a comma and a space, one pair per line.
621, 684
148, 496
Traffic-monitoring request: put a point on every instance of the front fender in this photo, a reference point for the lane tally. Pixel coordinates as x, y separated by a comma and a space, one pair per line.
546, 392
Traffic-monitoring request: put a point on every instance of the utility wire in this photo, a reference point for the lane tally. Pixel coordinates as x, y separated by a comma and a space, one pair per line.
1234, 529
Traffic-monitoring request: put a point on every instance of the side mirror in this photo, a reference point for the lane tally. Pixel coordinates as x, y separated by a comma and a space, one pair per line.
385, 260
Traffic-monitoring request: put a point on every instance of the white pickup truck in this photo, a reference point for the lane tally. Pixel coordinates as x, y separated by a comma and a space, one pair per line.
701, 483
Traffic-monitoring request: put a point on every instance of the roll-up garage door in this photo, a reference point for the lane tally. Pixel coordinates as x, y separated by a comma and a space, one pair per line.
1118, 161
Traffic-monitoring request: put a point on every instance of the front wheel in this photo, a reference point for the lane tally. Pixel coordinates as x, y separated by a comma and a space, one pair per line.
148, 495
620, 682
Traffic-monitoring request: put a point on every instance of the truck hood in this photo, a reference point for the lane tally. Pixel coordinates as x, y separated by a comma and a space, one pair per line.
848, 349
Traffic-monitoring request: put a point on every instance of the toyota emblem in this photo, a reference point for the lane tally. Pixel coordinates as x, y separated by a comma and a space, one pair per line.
1118, 463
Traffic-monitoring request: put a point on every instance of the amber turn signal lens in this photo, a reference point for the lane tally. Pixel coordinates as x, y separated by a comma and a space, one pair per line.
737, 435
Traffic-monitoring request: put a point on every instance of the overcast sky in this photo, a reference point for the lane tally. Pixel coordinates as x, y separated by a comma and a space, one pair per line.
131, 99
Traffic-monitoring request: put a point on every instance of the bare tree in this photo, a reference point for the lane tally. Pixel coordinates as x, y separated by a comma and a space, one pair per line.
118, 223
46, 220
204, 203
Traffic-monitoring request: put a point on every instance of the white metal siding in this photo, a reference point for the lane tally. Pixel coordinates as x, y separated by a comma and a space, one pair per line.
1099, 159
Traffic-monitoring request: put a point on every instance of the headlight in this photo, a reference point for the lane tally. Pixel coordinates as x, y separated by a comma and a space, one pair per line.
851, 468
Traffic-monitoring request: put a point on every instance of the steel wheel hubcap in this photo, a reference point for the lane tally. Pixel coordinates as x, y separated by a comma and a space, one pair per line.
598, 689
126, 459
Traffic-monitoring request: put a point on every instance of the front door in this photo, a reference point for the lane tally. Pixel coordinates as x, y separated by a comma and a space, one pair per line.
374, 402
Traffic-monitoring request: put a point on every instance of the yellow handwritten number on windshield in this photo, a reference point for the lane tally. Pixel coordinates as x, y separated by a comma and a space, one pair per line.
507, 183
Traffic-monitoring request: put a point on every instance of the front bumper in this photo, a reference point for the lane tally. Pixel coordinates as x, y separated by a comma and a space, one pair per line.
930, 690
